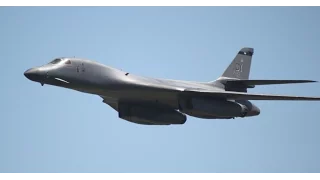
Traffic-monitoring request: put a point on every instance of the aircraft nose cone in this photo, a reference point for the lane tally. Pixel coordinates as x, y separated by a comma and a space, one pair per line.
32, 74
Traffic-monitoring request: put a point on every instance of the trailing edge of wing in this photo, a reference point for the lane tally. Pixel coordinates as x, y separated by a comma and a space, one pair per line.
248, 96
265, 82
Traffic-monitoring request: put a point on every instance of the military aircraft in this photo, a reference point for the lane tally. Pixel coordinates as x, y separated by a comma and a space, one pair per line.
151, 101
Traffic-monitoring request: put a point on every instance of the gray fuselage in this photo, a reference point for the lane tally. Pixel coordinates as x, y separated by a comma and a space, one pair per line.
95, 78
116, 86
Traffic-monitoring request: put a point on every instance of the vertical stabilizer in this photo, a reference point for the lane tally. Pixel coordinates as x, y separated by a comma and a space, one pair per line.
240, 66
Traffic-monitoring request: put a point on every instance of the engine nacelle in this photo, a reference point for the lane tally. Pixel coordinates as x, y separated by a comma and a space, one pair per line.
150, 114
212, 108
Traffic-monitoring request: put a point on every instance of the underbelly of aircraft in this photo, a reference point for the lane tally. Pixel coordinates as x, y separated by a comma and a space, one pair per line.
165, 99
206, 108
205, 116
212, 108
150, 114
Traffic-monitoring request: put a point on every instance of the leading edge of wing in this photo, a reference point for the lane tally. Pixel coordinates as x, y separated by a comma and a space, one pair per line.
248, 96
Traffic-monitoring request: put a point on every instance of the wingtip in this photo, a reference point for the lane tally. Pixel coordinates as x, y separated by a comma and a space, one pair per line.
312, 81
307, 81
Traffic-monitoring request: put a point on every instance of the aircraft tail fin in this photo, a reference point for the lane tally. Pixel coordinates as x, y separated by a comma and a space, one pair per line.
240, 66
236, 76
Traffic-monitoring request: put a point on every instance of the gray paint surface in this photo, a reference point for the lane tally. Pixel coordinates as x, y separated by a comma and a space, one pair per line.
152, 101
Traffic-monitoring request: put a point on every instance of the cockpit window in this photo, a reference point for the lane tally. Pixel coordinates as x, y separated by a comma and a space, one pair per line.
56, 61
68, 62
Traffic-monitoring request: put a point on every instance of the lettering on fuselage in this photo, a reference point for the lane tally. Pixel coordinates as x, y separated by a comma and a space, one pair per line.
82, 68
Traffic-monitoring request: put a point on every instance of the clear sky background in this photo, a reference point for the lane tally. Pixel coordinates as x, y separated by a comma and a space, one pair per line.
51, 129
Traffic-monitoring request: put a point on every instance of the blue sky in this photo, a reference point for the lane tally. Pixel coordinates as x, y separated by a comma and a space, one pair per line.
50, 129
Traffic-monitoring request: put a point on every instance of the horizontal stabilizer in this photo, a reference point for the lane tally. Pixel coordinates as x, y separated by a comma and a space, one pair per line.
247, 96
263, 82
